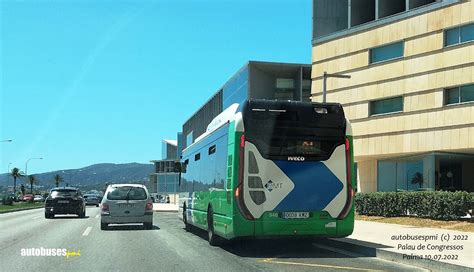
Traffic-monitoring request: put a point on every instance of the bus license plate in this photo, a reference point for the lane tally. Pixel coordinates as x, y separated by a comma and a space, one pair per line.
295, 215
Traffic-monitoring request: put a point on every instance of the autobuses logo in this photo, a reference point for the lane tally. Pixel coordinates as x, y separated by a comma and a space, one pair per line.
296, 158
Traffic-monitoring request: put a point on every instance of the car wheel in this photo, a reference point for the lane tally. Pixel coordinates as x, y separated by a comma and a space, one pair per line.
188, 227
148, 225
83, 213
213, 239
104, 226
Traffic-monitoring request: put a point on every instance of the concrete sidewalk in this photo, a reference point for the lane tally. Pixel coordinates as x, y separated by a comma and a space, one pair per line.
434, 249
165, 207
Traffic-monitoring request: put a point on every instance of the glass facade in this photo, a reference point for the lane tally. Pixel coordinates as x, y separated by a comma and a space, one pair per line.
189, 138
433, 171
386, 105
386, 52
306, 90
167, 182
236, 89
285, 89
459, 34
407, 174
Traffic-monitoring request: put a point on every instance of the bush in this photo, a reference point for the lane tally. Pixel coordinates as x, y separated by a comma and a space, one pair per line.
434, 205
7, 200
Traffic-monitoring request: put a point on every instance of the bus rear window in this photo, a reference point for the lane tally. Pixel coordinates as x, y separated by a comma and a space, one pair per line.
281, 147
282, 129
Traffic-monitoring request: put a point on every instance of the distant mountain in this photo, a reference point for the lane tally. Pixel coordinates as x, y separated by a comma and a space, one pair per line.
93, 176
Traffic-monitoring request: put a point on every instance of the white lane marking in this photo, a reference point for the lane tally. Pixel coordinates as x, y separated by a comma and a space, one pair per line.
97, 216
86, 232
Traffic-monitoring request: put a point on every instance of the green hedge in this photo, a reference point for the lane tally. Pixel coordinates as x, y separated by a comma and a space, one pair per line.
434, 205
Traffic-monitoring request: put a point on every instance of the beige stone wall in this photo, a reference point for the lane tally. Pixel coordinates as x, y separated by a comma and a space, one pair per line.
367, 176
421, 76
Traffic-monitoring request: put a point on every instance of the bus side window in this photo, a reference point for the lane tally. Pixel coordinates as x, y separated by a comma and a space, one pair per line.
212, 150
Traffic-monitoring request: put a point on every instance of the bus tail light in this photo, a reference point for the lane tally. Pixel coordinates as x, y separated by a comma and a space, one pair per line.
239, 194
350, 191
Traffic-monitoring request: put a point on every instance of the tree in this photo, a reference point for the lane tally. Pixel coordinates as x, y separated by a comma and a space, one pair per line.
22, 189
32, 180
417, 179
58, 179
15, 173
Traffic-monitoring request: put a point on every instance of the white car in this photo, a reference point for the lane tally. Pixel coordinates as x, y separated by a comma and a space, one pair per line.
126, 203
38, 198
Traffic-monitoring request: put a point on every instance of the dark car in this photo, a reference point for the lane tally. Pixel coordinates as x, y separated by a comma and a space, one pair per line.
65, 200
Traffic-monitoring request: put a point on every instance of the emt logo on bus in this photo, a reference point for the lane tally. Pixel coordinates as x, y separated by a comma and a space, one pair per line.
271, 185
296, 158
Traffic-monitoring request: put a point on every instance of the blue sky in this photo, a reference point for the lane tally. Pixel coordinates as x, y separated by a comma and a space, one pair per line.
87, 82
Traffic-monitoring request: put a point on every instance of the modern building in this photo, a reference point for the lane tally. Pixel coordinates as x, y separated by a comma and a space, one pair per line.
255, 80
411, 92
165, 179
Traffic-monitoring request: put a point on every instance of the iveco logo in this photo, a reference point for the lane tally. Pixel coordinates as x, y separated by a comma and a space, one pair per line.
296, 158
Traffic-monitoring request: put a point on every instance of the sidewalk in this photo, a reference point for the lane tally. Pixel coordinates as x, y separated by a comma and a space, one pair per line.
165, 207
415, 246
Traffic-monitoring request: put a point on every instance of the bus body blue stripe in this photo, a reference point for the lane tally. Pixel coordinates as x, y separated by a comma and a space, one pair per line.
315, 186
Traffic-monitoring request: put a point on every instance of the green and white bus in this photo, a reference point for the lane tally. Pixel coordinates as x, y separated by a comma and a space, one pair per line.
268, 168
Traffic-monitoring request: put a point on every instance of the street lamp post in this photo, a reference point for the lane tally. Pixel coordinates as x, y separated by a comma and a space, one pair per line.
325, 77
26, 164
8, 174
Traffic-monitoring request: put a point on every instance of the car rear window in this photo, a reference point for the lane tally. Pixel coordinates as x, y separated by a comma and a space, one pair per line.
127, 193
64, 193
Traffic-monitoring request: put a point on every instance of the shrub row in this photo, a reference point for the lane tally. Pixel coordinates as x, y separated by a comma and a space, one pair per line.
434, 205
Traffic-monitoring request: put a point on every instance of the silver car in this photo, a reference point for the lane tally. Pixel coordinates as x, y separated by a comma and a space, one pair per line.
126, 203
91, 199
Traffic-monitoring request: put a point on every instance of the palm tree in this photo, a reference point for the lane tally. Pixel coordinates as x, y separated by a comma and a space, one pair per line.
57, 179
15, 173
32, 180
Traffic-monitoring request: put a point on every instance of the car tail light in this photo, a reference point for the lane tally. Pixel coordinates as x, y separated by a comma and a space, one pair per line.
149, 206
239, 196
350, 191
105, 207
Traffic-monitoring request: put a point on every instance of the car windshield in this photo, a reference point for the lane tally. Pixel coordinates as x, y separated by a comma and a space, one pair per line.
64, 193
127, 193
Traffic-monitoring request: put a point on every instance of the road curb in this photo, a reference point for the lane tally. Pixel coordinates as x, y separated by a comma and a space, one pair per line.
395, 256
165, 211
23, 209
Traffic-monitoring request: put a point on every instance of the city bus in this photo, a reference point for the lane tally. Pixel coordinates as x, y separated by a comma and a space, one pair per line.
268, 168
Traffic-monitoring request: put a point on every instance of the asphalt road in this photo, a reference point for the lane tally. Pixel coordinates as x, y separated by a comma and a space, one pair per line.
167, 247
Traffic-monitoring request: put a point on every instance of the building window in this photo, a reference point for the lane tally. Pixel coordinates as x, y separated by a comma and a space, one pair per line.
386, 52
306, 90
389, 105
285, 88
459, 95
189, 138
459, 35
